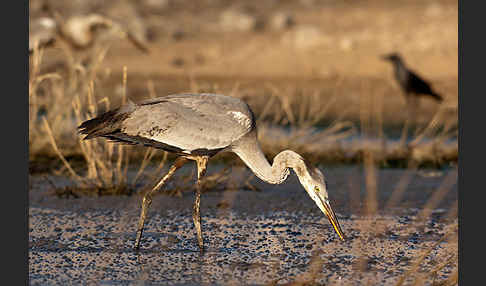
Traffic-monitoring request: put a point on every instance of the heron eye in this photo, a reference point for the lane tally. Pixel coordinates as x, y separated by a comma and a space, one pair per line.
316, 188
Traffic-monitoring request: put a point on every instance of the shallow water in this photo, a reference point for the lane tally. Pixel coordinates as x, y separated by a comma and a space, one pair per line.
276, 234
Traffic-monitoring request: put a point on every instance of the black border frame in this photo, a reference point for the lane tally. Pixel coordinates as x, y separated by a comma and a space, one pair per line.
15, 163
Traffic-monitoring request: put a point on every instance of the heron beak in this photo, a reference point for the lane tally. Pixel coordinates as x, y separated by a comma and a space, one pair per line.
326, 208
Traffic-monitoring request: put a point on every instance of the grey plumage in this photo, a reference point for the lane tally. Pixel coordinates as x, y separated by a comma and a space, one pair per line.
197, 124
196, 127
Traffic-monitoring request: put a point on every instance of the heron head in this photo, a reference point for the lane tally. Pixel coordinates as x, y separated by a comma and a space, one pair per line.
316, 188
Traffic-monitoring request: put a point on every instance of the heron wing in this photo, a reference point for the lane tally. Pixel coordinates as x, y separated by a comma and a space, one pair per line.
191, 122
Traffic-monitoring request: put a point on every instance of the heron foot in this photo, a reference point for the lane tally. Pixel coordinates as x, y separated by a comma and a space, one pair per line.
147, 200
197, 223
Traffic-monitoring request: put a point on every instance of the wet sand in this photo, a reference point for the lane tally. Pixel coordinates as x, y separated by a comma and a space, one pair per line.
275, 235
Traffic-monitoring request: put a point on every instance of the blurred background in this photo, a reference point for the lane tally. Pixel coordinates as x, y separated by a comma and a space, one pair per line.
306, 66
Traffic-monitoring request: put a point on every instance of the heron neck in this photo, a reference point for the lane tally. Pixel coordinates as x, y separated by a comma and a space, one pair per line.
277, 173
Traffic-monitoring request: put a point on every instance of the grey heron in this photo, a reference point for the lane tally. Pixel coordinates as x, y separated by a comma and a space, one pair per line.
197, 127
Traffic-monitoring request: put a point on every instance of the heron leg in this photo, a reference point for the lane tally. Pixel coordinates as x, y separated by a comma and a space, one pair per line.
147, 198
202, 163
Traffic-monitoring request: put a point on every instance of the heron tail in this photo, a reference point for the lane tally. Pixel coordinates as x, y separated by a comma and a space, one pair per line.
106, 123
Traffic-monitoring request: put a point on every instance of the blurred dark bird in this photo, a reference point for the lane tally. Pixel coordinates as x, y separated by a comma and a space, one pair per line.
412, 86
79, 31
197, 127
411, 83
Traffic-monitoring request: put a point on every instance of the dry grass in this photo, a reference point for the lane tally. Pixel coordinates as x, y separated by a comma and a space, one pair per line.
287, 118
67, 101
302, 119
107, 164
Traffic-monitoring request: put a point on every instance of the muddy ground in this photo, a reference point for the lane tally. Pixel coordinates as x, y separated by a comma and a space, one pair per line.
273, 235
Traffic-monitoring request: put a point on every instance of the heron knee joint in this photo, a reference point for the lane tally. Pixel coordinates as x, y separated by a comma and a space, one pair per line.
147, 199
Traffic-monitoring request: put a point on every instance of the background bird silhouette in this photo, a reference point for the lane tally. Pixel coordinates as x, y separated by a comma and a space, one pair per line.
410, 82
413, 86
